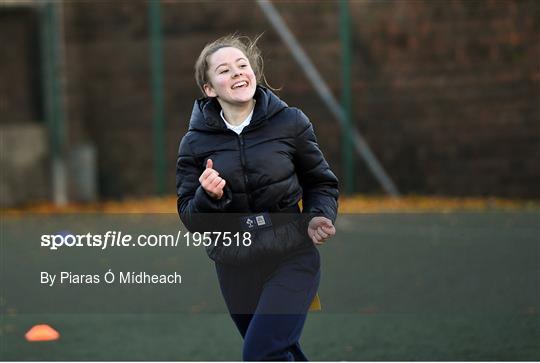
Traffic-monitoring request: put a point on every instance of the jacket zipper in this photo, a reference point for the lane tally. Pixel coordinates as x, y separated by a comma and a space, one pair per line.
243, 162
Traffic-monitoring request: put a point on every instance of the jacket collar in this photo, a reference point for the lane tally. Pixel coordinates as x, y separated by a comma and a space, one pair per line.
205, 115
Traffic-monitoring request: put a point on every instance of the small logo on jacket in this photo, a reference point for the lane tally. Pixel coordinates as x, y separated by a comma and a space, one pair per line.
260, 220
248, 223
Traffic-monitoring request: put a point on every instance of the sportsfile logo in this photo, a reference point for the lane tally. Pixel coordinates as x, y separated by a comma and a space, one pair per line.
120, 239
110, 239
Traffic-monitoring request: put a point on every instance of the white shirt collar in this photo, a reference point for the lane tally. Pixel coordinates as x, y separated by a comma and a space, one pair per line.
238, 128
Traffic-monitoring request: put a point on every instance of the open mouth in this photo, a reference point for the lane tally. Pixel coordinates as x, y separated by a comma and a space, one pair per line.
239, 85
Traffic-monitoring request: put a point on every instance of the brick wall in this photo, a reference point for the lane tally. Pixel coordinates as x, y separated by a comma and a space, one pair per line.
445, 92
20, 85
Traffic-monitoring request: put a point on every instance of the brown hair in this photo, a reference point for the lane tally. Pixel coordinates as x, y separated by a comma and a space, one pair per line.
241, 42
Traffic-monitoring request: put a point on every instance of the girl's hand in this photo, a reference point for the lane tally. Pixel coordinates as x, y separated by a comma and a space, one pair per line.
320, 229
211, 182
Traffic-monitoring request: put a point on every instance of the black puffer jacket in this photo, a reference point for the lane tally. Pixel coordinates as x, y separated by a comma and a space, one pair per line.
273, 164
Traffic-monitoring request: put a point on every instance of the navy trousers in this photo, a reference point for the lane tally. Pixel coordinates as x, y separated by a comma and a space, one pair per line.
269, 303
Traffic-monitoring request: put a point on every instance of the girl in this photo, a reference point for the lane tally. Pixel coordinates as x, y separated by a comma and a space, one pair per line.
247, 152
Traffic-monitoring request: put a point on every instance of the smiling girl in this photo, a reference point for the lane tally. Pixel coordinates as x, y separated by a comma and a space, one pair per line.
247, 152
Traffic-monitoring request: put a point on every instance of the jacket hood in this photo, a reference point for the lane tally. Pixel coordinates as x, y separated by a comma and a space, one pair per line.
205, 115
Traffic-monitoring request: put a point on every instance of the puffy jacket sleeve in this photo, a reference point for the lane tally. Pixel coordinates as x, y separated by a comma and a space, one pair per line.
192, 198
319, 184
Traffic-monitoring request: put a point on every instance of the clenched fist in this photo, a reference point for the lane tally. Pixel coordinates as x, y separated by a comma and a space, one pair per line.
211, 182
320, 229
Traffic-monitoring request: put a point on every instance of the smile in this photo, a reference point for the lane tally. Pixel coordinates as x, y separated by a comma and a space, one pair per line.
239, 84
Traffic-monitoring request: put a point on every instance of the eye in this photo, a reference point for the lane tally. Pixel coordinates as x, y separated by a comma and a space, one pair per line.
223, 71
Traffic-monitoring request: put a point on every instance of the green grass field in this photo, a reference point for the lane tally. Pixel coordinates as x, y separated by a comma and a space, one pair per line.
418, 286
326, 337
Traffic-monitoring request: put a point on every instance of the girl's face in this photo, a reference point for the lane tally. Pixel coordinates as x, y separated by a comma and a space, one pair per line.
230, 76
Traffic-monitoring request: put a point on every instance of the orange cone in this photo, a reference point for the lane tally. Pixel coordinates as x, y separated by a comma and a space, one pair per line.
41, 333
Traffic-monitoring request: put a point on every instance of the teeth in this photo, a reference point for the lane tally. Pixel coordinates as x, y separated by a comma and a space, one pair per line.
241, 84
